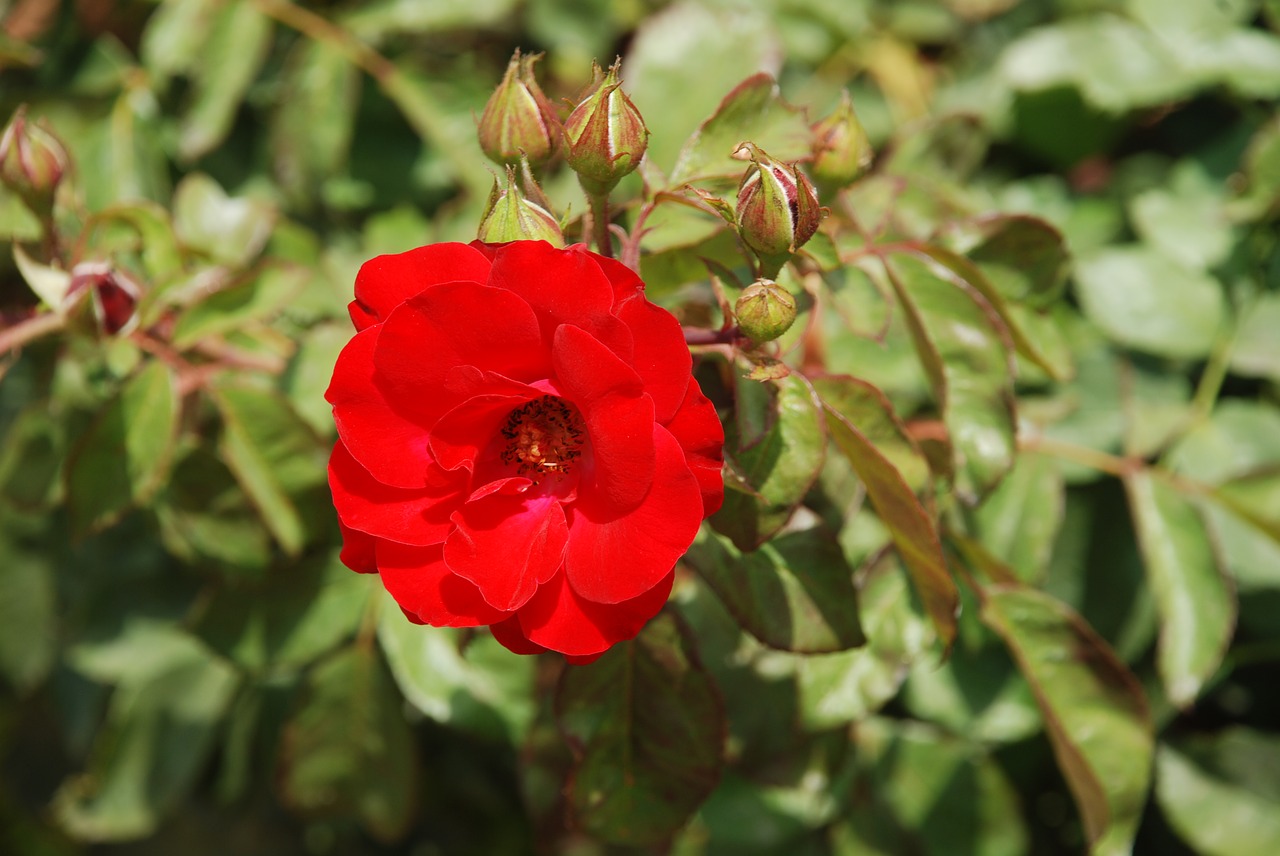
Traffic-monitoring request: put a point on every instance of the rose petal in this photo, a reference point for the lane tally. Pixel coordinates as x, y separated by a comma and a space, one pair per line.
561, 286
384, 282
464, 432
393, 449
357, 550
451, 325
660, 356
626, 283
422, 584
507, 545
612, 557
698, 430
559, 619
617, 414
409, 516
509, 634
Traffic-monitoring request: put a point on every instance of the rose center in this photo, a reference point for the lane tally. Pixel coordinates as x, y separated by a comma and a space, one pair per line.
543, 437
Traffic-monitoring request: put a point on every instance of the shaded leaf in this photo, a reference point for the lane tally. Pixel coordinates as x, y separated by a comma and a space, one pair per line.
1019, 521
1197, 604
1094, 711
123, 457
1025, 258
266, 293
794, 593
28, 619
228, 230
646, 727
347, 750
870, 410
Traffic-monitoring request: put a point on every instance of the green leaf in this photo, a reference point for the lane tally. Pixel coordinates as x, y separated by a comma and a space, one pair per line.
959, 342
1025, 258
1233, 810
174, 36
1256, 352
1197, 604
716, 47
459, 678
264, 294
1144, 300
868, 408
780, 467
31, 458
1185, 218
647, 730
49, 283
274, 455
124, 456
162, 722
232, 51
1094, 711
28, 619
753, 111
914, 534
347, 750
311, 131
794, 593
228, 230
1019, 521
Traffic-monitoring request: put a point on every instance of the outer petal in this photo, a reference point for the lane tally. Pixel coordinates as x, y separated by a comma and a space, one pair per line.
561, 285
698, 430
626, 282
452, 325
507, 545
421, 583
419, 516
509, 634
357, 550
661, 357
614, 558
393, 449
559, 619
384, 282
617, 413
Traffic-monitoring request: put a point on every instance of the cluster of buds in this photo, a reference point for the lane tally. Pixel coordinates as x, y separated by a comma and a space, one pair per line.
777, 209
841, 150
519, 212
32, 163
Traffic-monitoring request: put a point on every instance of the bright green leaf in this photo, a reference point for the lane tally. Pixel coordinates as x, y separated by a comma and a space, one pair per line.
1019, 521
229, 230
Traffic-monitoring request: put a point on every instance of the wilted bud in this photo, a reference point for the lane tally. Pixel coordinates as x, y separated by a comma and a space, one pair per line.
32, 162
113, 296
841, 150
512, 216
605, 137
777, 208
765, 310
518, 118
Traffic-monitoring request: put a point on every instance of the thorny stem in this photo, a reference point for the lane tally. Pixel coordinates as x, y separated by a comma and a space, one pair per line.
13, 338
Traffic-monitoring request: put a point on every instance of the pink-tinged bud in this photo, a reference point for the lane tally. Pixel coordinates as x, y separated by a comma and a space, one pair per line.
777, 207
765, 310
113, 296
605, 137
32, 162
512, 216
841, 150
518, 119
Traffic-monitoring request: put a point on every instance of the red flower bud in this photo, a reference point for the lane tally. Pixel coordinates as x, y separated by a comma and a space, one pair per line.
32, 162
604, 135
765, 310
777, 207
518, 119
512, 216
113, 296
841, 150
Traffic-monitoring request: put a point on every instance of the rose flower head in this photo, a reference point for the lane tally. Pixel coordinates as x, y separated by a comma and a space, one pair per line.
521, 443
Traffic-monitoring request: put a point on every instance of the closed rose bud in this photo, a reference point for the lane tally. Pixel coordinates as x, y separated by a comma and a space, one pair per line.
605, 137
518, 119
765, 310
841, 150
112, 295
511, 216
777, 209
32, 162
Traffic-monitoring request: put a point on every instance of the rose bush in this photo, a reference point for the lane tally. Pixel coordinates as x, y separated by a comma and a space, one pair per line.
521, 443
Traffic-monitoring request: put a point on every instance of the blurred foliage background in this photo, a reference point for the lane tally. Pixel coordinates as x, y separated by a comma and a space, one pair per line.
185, 666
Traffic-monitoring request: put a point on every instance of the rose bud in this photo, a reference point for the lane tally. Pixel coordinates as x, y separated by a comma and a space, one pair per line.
518, 119
605, 137
113, 296
765, 310
521, 443
777, 207
511, 216
841, 150
32, 162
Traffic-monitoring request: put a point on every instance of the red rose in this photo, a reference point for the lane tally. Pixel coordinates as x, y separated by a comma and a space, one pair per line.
521, 443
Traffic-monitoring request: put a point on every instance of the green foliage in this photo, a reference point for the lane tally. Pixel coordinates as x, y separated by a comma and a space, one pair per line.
999, 559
